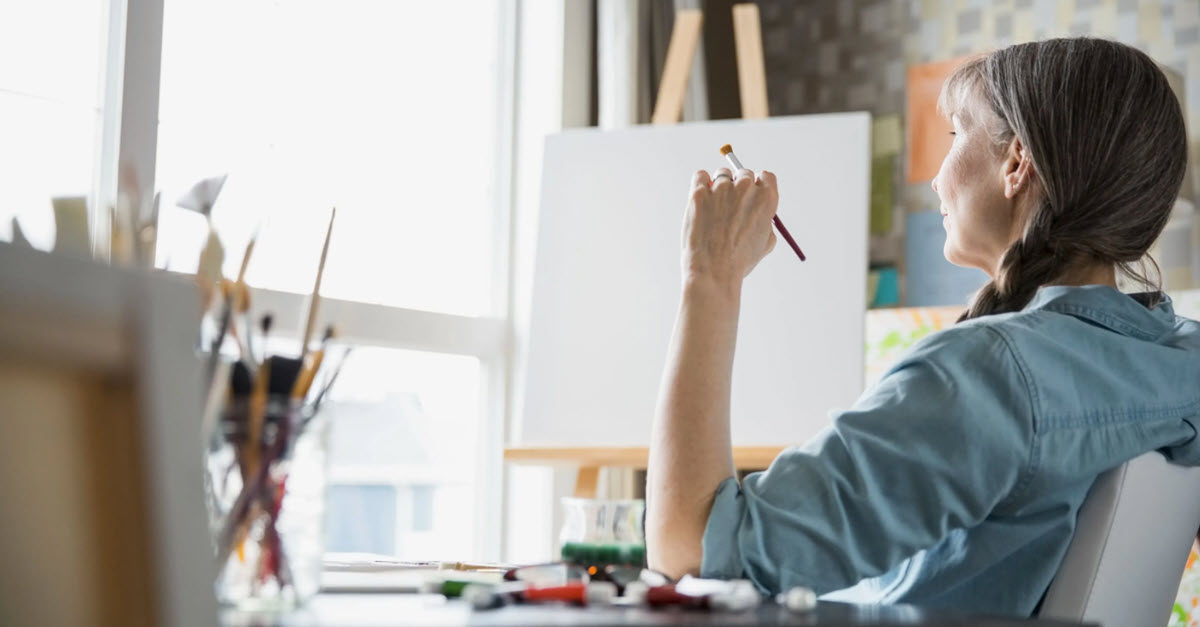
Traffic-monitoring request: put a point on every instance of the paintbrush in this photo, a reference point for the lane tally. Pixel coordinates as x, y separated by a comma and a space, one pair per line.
316, 293
727, 151
214, 354
256, 415
256, 412
241, 304
266, 322
316, 404
305, 380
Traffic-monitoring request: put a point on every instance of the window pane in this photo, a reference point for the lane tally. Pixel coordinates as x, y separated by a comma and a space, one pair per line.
361, 518
407, 420
383, 108
422, 508
50, 90
53, 49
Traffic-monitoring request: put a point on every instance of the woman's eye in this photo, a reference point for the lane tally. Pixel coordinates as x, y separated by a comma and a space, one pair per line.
953, 133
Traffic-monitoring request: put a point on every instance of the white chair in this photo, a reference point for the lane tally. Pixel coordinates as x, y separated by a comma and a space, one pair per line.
1131, 542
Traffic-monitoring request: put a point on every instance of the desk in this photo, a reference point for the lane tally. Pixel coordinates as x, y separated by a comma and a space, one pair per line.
417, 609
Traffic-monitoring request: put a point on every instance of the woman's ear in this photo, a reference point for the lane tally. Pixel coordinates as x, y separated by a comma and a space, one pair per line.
1017, 169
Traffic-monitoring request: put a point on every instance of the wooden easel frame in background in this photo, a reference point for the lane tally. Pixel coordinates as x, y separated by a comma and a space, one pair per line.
672, 87
752, 69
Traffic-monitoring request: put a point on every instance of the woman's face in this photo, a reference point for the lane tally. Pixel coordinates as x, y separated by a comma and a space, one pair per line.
979, 217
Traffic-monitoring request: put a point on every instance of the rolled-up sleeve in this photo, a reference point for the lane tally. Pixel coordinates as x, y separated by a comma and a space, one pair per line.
943, 438
721, 558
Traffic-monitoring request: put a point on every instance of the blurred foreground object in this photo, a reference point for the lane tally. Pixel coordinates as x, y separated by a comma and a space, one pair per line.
103, 515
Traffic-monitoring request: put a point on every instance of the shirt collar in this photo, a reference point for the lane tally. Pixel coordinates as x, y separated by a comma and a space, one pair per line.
1108, 307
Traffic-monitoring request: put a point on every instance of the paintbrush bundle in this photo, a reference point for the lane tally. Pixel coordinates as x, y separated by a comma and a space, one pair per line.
266, 450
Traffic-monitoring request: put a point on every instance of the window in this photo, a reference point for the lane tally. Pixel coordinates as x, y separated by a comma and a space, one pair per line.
397, 112
50, 111
407, 422
394, 112
385, 109
361, 518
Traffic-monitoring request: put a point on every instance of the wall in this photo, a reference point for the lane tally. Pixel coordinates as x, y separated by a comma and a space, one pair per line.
827, 56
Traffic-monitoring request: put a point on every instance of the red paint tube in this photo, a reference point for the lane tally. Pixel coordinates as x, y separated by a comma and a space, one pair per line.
578, 593
729, 596
667, 596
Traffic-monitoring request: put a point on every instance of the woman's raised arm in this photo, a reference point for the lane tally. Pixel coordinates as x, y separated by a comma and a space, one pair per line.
726, 232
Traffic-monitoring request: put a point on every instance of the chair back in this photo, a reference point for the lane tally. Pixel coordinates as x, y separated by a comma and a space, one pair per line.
1131, 543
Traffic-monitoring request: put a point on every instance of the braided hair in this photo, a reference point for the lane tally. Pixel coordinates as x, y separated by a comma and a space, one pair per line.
1106, 142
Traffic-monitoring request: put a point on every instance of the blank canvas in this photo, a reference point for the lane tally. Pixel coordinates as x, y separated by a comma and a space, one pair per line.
607, 279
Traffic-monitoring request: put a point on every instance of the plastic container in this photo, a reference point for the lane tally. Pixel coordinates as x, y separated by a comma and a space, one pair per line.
599, 532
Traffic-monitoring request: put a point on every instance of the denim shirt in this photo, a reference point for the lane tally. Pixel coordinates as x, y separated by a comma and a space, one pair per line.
955, 481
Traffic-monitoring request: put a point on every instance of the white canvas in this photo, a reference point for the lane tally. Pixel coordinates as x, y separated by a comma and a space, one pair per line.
607, 279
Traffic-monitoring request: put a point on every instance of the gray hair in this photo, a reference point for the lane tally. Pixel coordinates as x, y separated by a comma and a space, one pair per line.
1107, 143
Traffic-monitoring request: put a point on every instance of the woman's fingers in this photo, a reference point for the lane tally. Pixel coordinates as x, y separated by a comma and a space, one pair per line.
768, 191
727, 230
721, 178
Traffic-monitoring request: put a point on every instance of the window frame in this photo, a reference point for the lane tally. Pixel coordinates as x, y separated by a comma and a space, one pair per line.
129, 143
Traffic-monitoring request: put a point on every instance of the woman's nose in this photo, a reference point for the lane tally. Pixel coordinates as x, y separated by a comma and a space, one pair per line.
933, 184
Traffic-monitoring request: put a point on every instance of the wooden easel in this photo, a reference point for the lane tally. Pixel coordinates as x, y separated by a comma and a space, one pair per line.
752, 68
672, 87
751, 64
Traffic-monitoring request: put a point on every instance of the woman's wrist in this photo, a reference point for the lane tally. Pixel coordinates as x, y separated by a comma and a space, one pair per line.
710, 285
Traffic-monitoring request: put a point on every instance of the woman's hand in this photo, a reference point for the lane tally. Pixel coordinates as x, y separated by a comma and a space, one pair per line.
727, 228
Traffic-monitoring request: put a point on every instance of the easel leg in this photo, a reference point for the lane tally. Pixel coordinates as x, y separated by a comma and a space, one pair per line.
585, 482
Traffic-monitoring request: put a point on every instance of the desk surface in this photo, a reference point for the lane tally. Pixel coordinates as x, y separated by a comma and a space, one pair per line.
414, 609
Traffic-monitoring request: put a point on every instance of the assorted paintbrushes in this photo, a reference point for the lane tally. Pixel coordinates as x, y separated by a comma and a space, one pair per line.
261, 408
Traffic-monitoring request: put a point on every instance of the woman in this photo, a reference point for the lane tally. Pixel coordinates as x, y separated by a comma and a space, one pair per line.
956, 480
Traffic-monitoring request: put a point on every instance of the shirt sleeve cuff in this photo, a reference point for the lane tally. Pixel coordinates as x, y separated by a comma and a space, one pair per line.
722, 558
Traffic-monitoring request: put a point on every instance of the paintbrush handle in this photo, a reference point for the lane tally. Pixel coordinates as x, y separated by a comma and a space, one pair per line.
787, 236
316, 293
737, 165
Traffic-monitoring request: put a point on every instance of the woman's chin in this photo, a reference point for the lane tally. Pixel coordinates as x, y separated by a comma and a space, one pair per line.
959, 260
953, 252
950, 252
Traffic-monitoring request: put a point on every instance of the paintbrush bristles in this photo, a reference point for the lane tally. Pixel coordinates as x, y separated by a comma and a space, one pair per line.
265, 323
736, 164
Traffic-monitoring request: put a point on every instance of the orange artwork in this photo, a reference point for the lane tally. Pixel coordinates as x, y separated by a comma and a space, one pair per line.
928, 131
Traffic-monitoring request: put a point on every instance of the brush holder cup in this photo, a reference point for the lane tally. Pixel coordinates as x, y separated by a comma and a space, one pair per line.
265, 477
